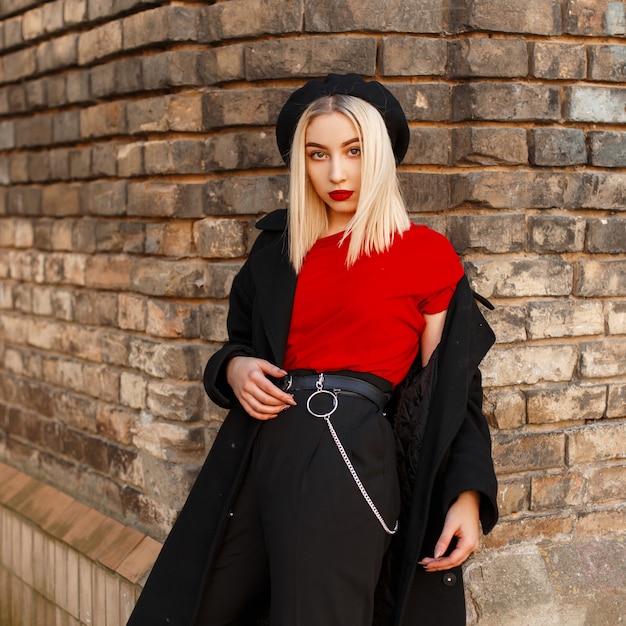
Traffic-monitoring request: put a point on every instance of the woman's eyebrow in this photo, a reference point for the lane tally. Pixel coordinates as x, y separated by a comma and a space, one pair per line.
312, 144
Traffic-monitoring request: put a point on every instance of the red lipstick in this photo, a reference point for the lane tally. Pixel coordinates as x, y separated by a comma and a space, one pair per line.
340, 195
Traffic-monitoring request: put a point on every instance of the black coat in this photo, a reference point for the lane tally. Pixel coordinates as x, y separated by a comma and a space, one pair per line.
443, 444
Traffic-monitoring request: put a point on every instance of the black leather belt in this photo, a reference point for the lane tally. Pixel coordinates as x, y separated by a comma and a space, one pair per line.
337, 383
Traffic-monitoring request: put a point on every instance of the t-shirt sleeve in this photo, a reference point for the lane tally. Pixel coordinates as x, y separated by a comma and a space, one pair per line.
444, 272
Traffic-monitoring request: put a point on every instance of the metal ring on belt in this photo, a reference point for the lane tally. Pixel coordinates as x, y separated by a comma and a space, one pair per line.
337, 383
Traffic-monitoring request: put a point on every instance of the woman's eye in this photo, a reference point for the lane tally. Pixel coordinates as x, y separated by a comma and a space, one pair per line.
317, 155
355, 152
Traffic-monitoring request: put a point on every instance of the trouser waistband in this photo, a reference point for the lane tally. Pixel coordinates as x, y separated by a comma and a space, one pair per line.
336, 383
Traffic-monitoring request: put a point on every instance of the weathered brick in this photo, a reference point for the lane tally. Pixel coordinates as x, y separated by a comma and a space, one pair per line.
247, 18
218, 65
508, 323
95, 308
520, 189
236, 107
606, 484
24, 201
602, 105
566, 403
57, 53
102, 80
553, 492
558, 60
557, 233
77, 86
513, 496
103, 120
602, 522
52, 17
557, 147
56, 90
539, 17
488, 233
60, 164
596, 443
483, 56
38, 167
34, 131
528, 364
127, 76
428, 146
616, 317
112, 236
527, 529
603, 359
532, 451
176, 401
99, 42
163, 199
130, 160
171, 69
74, 11
186, 279
607, 149
423, 191
19, 65
7, 135
423, 102
310, 56
607, 63
505, 102
167, 360
241, 150
132, 312
163, 24
104, 160
390, 16
66, 127
523, 277
104, 198
12, 30
213, 321
413, 56
170, 319
133, 388
590, 17
220, 238
179, 156
181, 112
616, 406
505, 410
108, 272
489, 146
565, 318
606, 235
170, 239
32, 24
601, 278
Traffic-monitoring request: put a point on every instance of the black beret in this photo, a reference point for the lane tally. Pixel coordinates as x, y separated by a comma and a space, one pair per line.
350, 85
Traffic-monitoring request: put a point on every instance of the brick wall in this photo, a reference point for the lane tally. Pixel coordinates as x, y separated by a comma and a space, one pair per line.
137, 151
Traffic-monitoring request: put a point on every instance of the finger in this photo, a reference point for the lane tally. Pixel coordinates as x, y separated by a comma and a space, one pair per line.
455, 558
444, 541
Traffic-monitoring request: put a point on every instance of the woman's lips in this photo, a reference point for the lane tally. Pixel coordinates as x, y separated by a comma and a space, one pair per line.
340, 195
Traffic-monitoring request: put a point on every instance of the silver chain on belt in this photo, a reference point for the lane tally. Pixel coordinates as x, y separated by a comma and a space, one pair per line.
319, 386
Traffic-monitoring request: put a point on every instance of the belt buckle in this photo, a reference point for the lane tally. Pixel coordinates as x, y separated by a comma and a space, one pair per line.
319, 390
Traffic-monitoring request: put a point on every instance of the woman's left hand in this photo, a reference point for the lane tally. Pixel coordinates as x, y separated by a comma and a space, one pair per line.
462, 522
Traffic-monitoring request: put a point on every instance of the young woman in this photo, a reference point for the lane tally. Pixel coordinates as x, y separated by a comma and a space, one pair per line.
352, 376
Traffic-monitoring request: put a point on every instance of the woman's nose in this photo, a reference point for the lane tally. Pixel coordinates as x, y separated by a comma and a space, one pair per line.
337, 171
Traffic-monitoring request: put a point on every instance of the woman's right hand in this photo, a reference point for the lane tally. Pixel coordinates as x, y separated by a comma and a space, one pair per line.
260, 398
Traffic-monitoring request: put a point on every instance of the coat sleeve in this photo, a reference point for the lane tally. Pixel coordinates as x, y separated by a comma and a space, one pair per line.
240, 330
469, 465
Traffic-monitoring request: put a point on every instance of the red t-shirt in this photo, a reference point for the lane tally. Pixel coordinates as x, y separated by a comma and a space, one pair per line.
369, 317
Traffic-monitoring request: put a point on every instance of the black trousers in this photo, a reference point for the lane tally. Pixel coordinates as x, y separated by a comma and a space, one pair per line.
301, 532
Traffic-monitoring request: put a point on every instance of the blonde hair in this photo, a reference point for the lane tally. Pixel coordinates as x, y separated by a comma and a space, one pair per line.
380, 213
